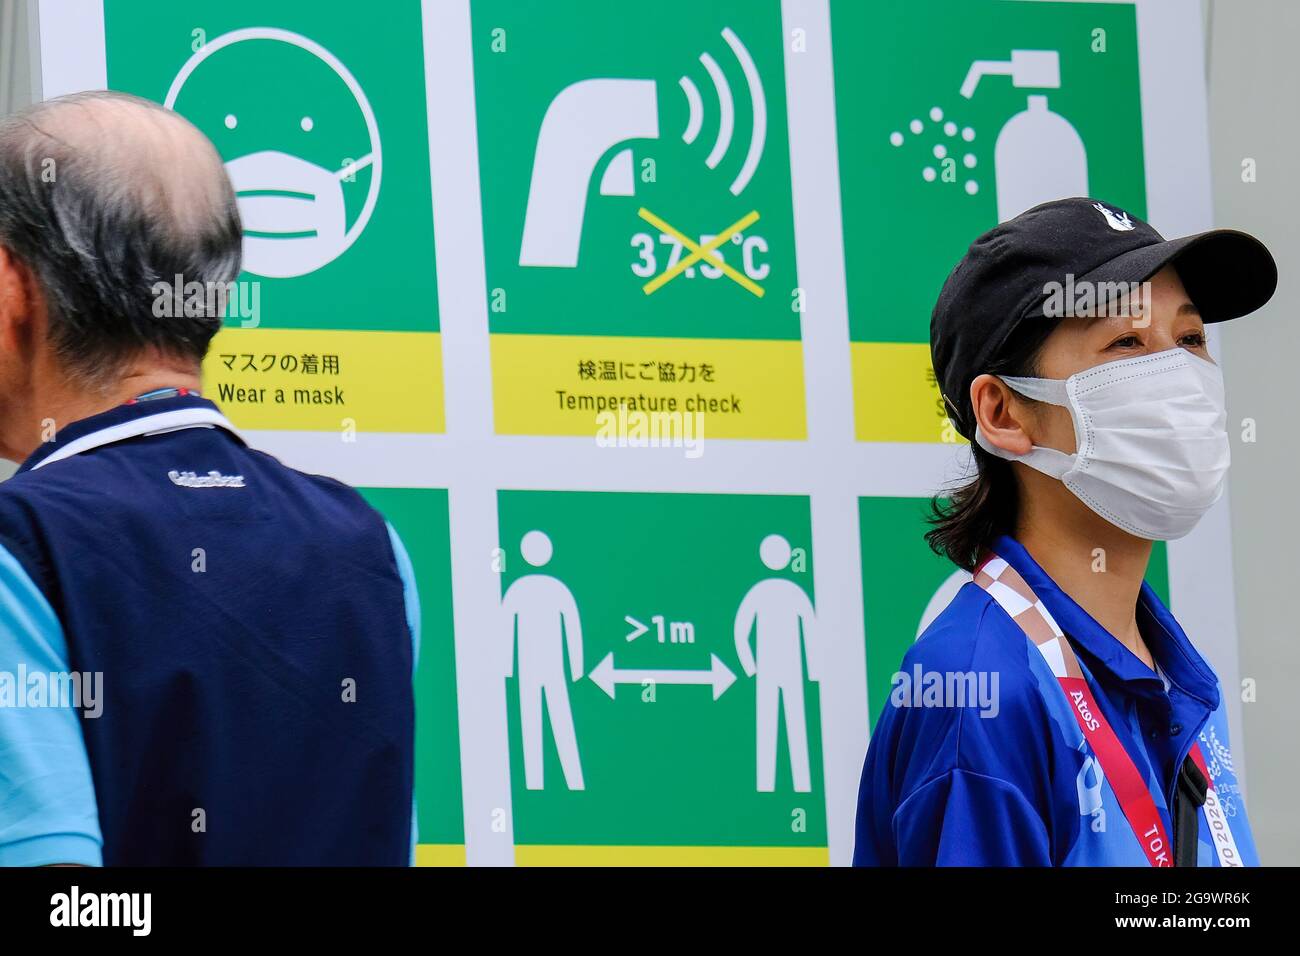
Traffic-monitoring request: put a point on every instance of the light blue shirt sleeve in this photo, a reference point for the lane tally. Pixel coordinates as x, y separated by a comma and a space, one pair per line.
411, 596
48, 812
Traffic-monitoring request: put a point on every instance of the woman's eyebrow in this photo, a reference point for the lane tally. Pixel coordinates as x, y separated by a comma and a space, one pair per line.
1188, 308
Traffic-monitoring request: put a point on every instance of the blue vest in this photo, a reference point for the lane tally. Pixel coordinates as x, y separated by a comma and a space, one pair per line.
249, 624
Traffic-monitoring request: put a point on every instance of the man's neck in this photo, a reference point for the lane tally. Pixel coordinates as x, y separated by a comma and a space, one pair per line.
141, 383
56, 408
1099, 566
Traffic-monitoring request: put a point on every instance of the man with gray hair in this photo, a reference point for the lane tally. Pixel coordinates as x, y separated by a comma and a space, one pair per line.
230, 642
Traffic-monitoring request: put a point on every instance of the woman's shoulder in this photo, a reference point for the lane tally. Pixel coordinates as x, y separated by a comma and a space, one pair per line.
974, 681
973, 633
968, 699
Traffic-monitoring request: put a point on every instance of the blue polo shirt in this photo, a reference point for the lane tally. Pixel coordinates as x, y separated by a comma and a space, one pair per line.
206, 657
1008, 779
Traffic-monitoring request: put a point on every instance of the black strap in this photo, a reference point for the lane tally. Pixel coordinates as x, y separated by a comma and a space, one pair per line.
1189, 797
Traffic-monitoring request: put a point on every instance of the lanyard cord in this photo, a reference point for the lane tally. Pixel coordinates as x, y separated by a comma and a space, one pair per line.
168, 392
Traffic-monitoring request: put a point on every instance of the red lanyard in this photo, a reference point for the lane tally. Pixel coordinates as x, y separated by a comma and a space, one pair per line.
1134, 797
1011, 591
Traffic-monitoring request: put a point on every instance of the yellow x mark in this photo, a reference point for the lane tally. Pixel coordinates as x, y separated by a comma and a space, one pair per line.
699, 252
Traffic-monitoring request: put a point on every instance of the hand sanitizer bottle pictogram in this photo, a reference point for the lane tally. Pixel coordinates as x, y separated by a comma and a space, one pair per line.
1039, 155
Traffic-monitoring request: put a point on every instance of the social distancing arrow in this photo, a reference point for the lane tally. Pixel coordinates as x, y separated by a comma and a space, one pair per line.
607, 677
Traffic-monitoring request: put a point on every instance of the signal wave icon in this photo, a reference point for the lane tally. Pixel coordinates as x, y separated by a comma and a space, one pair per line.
591, 119
727, 109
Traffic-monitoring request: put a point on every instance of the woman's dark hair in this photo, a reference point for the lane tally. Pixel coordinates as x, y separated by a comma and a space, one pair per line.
967, 520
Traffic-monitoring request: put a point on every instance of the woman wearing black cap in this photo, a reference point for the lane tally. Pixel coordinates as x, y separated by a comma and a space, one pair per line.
1070, 347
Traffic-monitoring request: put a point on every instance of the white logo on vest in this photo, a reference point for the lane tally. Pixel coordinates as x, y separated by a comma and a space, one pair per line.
213, 479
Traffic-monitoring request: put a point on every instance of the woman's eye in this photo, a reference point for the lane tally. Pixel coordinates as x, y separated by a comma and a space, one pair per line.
1126, 342
1193, 340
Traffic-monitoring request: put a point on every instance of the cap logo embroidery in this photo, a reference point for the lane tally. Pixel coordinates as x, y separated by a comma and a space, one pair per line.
1119, 222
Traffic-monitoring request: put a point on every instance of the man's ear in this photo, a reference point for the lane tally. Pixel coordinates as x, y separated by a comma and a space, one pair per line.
1000, 414
20, 302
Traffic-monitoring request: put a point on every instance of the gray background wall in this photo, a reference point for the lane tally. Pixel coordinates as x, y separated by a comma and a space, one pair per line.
1254, 88
15, 84
15, 64
1254, 74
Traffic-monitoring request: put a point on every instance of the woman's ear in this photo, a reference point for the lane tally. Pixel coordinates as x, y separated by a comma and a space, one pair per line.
1000, 414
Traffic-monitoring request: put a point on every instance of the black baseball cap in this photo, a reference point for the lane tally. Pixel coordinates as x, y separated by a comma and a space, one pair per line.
1004, 279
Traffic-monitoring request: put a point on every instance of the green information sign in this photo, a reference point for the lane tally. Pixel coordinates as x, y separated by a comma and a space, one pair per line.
992, 107
637, 220
323, 129
662, 678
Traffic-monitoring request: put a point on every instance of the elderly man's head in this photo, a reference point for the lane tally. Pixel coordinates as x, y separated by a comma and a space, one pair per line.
102, 197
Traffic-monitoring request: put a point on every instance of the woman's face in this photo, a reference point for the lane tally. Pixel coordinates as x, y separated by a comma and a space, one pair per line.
1168, 321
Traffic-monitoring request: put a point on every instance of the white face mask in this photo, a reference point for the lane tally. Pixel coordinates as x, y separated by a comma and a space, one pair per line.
1151, 440
293, 213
